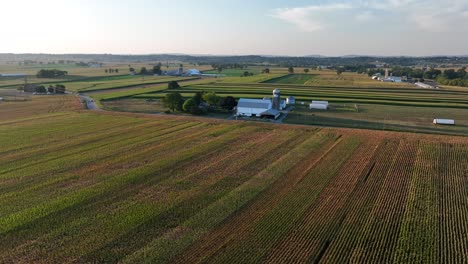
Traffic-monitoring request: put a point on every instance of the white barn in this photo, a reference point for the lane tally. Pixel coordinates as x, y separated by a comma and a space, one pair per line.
322, 105
253, 107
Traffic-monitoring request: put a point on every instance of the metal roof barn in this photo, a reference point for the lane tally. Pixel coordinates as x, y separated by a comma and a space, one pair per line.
252, 107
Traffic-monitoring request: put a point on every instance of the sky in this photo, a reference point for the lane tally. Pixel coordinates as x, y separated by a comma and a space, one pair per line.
236, 27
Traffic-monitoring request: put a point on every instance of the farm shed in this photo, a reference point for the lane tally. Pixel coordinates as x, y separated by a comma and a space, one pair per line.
290, 100
252, 107
439, 121
322, 105
271, 113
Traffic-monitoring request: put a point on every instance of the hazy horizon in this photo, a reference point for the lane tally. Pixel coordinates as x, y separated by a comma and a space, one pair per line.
277, 28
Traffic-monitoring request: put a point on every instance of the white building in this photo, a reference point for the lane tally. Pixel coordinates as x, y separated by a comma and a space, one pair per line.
252, 107
290, 100
322, 105
256, 108
439, 121
193, 72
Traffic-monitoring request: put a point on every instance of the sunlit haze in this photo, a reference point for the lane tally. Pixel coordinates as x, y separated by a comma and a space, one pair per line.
278, 27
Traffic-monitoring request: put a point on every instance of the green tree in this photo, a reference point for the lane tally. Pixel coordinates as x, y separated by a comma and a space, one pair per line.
228, 103
339, 71
173, 101
157, 69
198, 97
189, 105
143, 71
291, 70
41, 89
211, 98
60, 88
266, 70
306, 70
173, 85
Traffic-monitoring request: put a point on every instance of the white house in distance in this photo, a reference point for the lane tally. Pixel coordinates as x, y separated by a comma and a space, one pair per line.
321, 105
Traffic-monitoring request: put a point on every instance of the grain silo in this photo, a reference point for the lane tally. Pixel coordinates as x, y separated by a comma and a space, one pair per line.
276, 99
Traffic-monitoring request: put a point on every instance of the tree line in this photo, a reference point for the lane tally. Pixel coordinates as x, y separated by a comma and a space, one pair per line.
200, 103
44, 73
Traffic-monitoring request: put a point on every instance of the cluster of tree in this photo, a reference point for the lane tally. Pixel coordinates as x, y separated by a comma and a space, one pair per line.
221, 66
454, 78
157, 69
110, 70
173, 85
308, 61
58, 88
144, 71
246, 74
199, 104
266, 70
43, 73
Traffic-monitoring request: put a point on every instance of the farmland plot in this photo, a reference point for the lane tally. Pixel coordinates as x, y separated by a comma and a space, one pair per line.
85, 187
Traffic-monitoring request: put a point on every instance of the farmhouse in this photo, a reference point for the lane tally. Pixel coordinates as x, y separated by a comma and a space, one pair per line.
322, 105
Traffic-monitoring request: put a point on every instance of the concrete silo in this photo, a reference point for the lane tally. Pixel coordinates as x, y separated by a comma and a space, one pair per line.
276, 99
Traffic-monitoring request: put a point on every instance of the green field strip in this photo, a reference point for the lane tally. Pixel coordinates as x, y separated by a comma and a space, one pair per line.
101, 141
283, 217
57, 131
192, 197
213, 215
132, 176
384, 221
350, 234
309, 239
119, 147
418, 239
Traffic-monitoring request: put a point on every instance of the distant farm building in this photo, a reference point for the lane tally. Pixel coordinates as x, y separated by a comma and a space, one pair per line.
253, 107
393, 79
193, 72
266, 107
427, 85
15, 75
321, 105
290, 100
439, 121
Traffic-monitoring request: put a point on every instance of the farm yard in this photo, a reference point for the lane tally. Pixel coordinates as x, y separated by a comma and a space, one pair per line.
80, 186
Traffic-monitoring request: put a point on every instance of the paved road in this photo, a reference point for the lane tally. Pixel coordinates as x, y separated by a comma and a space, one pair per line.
90, 103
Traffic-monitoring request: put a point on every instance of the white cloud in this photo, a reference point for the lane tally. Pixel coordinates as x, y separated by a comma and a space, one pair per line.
309, 18
425, 15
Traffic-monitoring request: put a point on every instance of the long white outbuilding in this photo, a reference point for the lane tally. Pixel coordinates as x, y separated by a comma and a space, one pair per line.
439, 121
322, 105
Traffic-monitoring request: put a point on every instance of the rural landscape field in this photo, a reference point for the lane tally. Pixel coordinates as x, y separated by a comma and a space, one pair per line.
322, 132
78, 186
